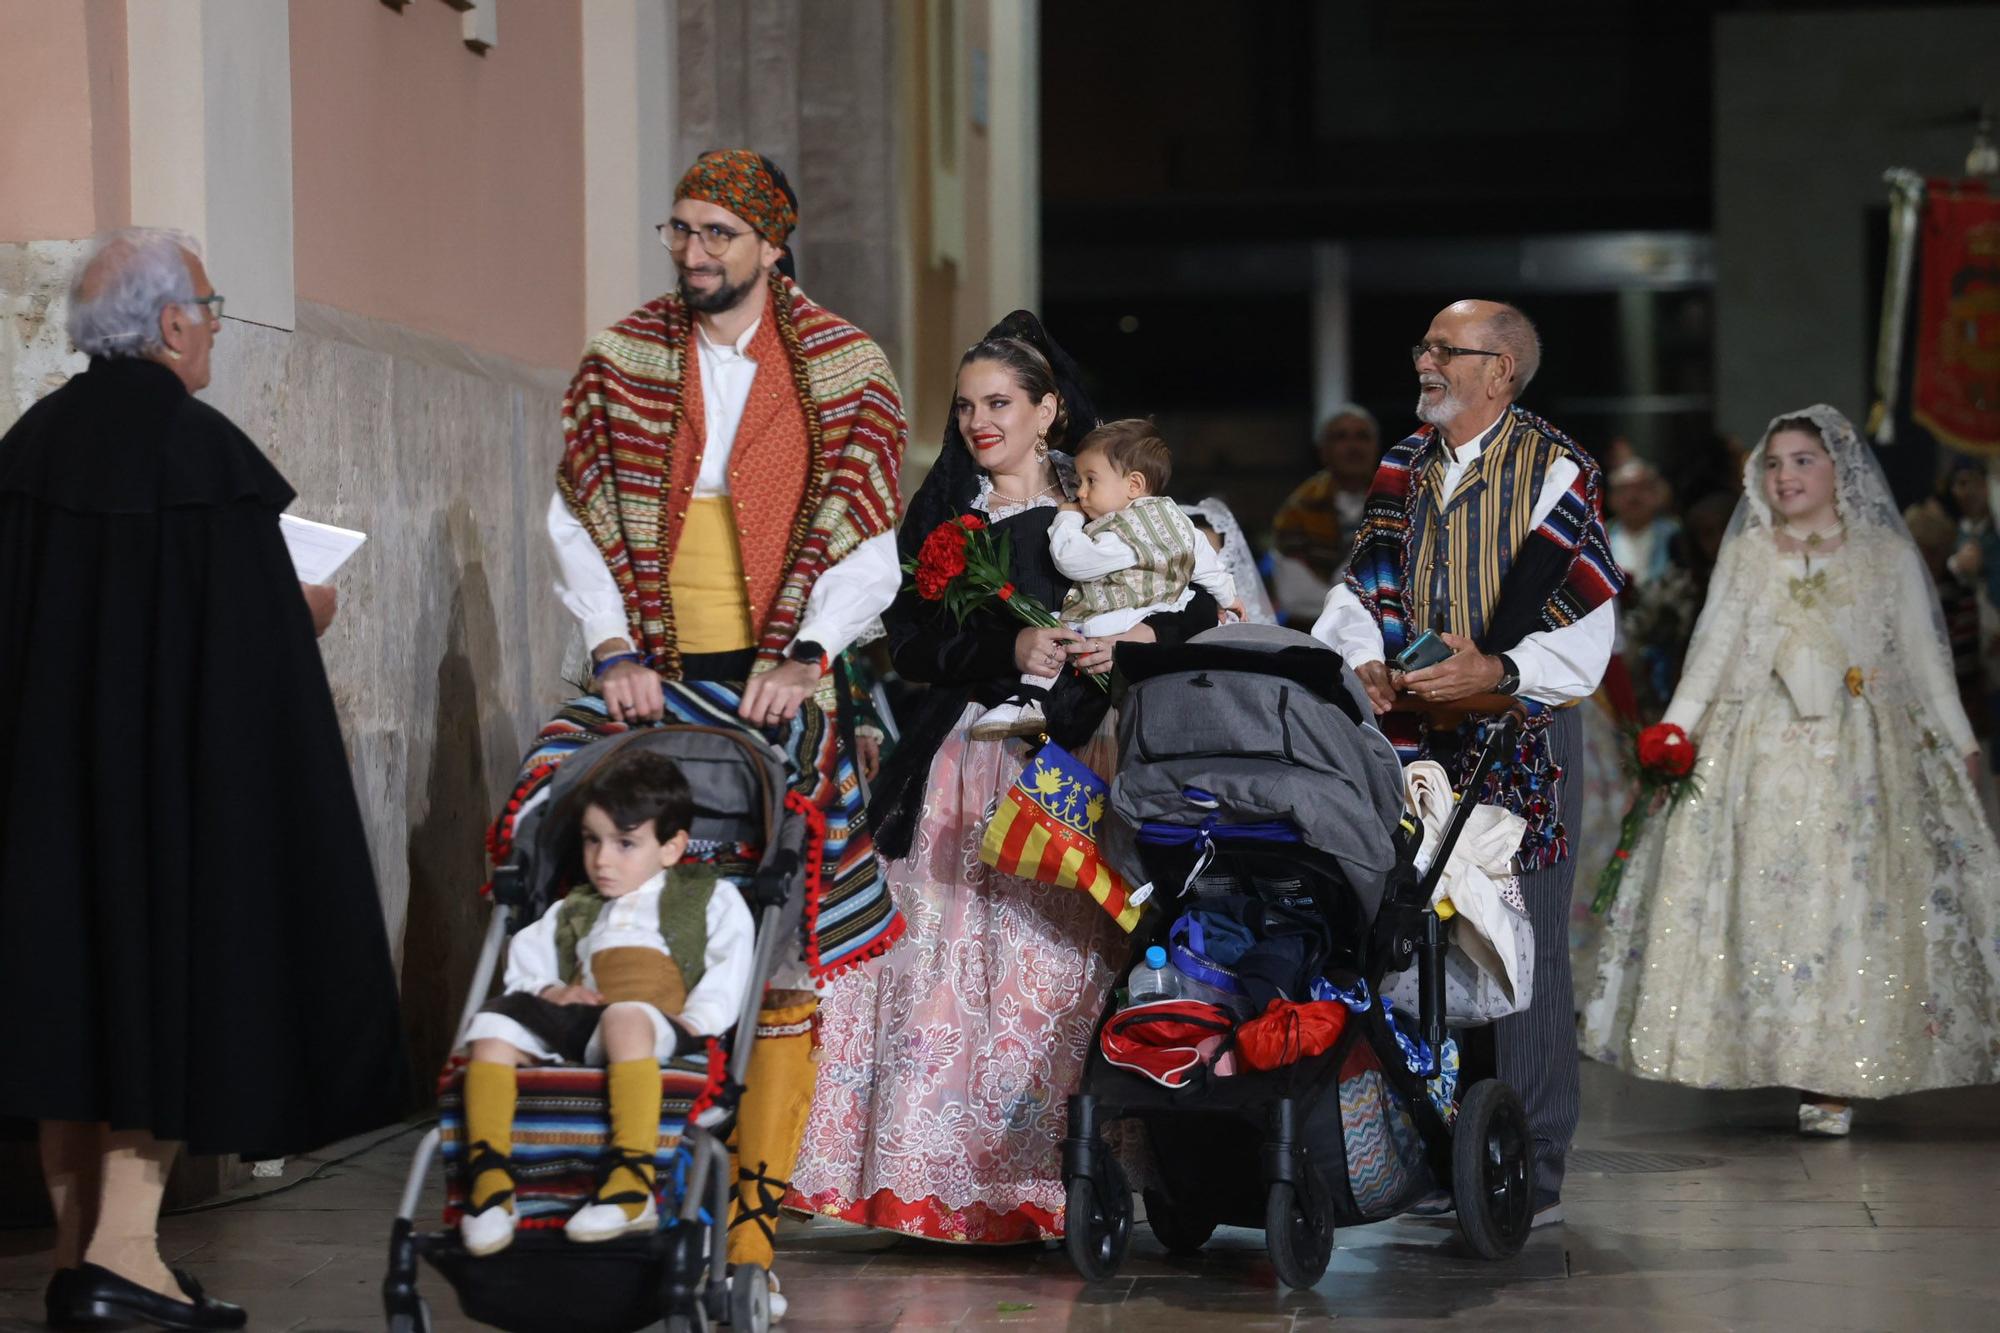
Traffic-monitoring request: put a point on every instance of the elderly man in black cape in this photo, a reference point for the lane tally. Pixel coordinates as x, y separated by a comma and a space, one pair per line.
191, 948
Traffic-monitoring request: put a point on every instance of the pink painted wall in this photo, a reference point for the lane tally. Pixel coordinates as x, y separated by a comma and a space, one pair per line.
65, 143
439, 189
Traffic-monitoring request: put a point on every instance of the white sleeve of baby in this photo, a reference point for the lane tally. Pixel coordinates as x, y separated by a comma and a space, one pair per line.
1210, 575
1082, 557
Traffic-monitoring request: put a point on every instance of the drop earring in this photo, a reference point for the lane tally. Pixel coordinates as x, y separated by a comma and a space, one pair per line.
1042, 447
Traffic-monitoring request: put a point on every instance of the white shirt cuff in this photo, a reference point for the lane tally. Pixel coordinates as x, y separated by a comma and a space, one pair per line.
1561, 665
1345, 625
850, 594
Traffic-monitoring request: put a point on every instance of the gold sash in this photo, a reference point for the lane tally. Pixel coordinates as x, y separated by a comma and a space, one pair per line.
639, 973
710, 591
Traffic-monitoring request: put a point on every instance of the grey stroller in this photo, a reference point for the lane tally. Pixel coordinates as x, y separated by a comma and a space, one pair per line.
543, 1283
1250, 765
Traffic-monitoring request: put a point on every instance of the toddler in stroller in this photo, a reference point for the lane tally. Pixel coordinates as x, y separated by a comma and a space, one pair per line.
1264, 800
625, 972
743, 852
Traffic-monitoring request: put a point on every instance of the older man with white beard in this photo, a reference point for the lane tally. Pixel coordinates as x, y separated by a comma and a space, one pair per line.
1486, 526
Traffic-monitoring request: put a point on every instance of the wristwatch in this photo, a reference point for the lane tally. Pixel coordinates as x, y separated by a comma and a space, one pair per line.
805, 650
1510, 676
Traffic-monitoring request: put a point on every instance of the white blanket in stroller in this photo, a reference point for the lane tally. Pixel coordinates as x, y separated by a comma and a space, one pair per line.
1491, 929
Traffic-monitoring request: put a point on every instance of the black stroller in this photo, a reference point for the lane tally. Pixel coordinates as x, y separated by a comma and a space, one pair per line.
543, 1283
1249, 762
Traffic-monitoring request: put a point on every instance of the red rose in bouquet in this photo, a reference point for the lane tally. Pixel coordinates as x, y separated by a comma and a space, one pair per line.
1664, 749
963, 565
1663, 757
941, 560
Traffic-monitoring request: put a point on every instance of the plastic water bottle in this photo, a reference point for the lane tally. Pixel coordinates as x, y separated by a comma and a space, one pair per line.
1156, 979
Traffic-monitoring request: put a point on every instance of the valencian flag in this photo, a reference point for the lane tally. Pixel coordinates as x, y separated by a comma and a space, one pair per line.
1957, 394
1046, 829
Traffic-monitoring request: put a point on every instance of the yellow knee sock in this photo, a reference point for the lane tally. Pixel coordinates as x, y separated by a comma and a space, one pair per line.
770, 1124
489, 1118
635, 1127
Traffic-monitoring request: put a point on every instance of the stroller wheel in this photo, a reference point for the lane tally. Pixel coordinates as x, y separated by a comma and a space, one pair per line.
749, 1299
1492, 1170
420, 1322
1301, 1244
1097, 1228
1181, 1230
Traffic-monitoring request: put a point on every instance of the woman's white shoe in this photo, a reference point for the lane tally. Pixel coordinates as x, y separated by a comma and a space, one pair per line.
487, 1232
607, 1221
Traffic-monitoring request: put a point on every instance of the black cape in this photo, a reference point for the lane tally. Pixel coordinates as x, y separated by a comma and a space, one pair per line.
190, 937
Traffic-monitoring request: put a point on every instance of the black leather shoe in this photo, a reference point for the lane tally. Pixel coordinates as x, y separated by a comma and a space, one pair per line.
99, 1298
222, 1310
56, 1300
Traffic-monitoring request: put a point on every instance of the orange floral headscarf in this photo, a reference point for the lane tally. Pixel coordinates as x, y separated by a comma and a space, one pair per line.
746, 184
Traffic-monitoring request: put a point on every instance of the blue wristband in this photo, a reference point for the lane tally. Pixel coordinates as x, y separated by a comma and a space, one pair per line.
597, 672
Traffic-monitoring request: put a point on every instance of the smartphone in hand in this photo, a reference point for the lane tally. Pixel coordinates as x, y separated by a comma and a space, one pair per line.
1427, 651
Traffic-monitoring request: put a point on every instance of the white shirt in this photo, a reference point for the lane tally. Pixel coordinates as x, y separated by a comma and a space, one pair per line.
1556, 665
633, 921
849, 595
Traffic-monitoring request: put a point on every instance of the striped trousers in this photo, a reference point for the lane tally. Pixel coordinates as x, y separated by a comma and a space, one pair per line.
1536, 1051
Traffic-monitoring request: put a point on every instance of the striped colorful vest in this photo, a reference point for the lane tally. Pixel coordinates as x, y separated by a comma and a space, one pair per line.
1463, 544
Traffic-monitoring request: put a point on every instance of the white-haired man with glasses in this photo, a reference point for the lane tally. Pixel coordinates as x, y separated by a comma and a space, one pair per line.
1485, 529
725, 510
191, 946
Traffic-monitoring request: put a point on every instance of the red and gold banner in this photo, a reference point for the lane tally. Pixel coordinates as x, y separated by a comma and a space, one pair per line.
1046, 830
1957, 394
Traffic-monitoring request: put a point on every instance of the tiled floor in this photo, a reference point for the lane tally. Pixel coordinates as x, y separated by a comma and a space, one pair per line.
1893, 1229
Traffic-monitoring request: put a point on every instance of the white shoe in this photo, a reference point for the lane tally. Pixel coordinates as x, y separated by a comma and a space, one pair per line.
778, 1302
1005, 721
997, 723
487, 1232
607, 1221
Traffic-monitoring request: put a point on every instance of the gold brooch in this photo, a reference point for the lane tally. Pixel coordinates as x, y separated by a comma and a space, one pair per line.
1854, 681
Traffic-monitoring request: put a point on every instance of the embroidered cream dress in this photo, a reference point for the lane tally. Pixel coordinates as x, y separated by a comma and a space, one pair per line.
1822, 915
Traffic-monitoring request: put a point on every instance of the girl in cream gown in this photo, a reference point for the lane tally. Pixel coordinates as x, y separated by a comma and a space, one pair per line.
1822, 914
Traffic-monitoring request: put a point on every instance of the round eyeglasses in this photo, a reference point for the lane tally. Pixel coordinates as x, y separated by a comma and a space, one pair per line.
715, 238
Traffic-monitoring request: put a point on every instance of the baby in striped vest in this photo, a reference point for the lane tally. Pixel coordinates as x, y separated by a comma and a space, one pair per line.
1128, 549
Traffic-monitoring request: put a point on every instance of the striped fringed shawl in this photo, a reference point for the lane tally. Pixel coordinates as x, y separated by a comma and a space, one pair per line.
1561, 573
621, 417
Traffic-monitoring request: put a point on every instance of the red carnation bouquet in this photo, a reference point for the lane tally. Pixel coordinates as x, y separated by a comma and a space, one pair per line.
963, 565
1663, 757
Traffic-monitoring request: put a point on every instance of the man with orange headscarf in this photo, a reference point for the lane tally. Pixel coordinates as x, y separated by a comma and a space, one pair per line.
725, 511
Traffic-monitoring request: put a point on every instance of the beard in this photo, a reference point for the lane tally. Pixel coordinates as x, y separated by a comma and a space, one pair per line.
726, 296
1443, 410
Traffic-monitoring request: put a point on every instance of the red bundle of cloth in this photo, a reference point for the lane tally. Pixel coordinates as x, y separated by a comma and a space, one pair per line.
1287, 1032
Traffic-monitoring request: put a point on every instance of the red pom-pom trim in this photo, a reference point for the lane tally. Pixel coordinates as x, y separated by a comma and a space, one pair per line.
718, 1073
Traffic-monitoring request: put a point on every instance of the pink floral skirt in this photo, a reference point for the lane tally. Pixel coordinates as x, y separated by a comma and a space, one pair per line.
941, 1101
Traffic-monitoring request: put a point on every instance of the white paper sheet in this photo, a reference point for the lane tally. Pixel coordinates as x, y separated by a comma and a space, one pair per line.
318, 549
